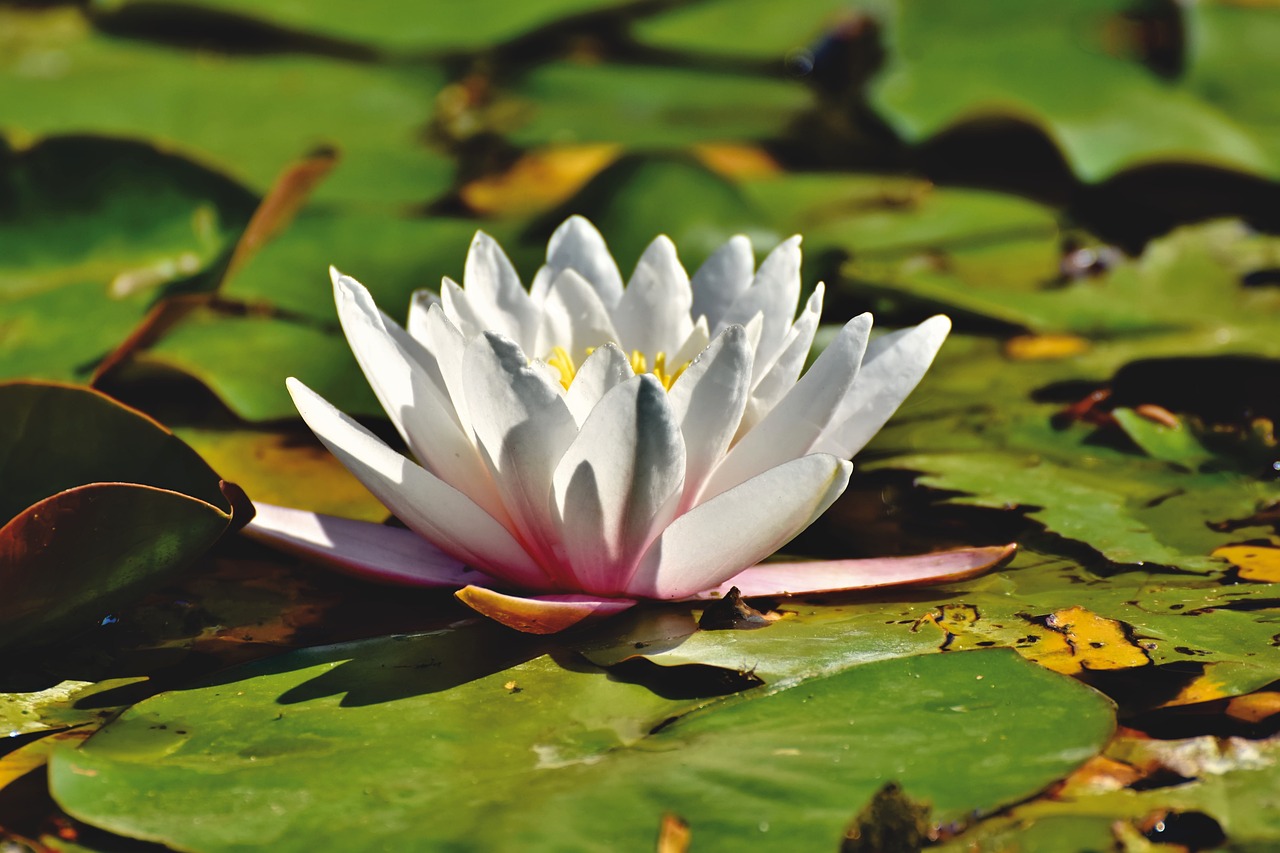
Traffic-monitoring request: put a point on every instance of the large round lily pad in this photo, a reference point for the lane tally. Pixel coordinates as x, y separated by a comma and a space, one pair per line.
374, 745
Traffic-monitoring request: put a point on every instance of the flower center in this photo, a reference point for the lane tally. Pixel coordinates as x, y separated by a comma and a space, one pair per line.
564, 364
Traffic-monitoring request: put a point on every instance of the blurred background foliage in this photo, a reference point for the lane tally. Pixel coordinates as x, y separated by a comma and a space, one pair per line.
1090, 189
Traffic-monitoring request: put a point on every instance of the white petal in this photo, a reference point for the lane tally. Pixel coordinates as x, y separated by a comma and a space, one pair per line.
653, 314
776, 379
799, 420
496, 294
893, 366
360, 548
698, 340
718, 539
522, 426
722, 279
775, 292
422, 414
441, 343
459, 309
577, 245
708, 400
618, 483
603, 369
573, 317
429, 506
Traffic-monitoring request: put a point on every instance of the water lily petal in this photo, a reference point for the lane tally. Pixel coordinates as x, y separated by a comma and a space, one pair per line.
774, 294
496, 292
893, 366
573, 317
721, 279
424, 502
361, 548
708, 400
440, 349
577, 245
777, 378
458, 308
698, 340
545, 614
522, 426
653, 314
425, 417
798, 421
603, 369
711, 542
840, 575
617, 483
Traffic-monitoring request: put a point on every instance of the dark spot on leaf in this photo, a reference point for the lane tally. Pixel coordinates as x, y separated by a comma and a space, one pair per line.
684, 681
1268, 277
1192, 830
891, 823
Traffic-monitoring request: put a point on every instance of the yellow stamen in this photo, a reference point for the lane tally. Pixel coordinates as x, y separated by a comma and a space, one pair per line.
560, 360
563, 363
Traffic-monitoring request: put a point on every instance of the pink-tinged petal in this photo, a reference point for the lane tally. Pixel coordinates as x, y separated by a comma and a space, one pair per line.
843, 575
496, 294
714, 541
573, 317
603, 369
892, 368
428, 505
722, 279
546, 614
371, 551
618, 484
776, 379
422, 412
653, 314
522, 426
774, 293
797, 422
577, 245
708, 400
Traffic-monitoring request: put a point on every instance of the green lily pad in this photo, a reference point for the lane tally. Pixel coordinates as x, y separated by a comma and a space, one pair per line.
750, 29
66, 80
1230, 62
402, 26
391, 255
94, 231
245, 360
1049, 65
101, 502
57, 437
651, 107
1188, 280
578, 762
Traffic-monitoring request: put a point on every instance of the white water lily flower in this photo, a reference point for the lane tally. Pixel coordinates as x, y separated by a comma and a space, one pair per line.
583, 445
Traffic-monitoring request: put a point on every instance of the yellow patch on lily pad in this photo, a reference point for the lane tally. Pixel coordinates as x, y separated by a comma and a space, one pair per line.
1068, 641
1255, 562
1044, 347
